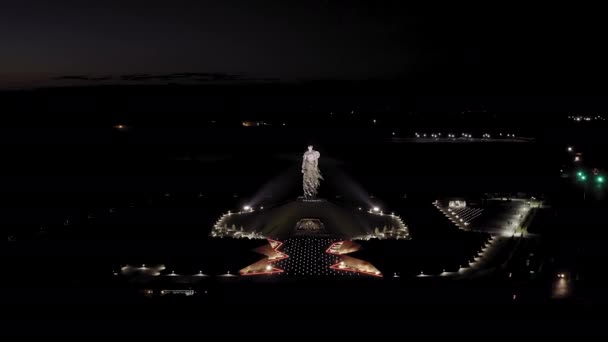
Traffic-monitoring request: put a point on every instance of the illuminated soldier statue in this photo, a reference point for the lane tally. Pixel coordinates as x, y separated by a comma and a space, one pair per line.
311, 176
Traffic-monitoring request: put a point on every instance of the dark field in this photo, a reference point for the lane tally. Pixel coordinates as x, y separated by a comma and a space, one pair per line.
167, 187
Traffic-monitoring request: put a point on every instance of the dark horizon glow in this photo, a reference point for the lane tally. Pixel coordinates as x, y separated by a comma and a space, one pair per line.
43, 41
312, 39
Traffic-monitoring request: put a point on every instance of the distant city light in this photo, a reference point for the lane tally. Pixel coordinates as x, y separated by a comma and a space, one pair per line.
247, 208
577, 159
376, 209
570, 149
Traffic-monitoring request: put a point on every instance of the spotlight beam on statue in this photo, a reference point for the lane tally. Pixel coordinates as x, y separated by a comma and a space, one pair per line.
278, 188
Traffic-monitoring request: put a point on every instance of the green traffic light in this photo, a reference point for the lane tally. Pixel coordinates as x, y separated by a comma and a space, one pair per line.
600, 179
581, 176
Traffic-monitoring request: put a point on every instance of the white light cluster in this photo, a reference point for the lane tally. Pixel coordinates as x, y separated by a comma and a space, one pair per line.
400, 231
461, 217
221, 228
579, 118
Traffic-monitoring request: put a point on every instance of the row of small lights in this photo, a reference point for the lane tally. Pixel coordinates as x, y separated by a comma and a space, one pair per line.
245, 209
465, 135
158, 269
484, 249
579, 118
376, 210
438, 135
436, 204
482, 252
523, 212
480, 255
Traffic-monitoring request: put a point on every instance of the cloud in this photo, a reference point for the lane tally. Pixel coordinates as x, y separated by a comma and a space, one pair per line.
178, 77
82, 78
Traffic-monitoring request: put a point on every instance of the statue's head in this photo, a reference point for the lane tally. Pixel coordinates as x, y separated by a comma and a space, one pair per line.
310, 147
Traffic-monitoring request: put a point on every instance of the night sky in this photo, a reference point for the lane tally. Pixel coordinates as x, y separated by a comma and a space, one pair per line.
301, 40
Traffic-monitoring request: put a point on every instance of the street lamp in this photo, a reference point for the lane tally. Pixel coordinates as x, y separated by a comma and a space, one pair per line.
583, 178
581, 175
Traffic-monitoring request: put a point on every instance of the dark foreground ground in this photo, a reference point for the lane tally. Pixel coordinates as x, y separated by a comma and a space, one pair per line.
59, 276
